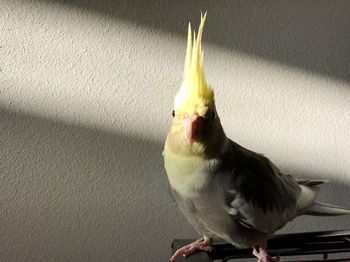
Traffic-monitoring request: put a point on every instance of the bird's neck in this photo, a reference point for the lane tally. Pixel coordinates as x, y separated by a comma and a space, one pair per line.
189, 169
188, 174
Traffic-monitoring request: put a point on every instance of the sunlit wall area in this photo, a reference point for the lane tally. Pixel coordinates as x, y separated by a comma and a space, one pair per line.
86, 94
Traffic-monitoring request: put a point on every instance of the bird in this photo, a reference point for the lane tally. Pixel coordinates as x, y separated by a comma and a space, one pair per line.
223, 189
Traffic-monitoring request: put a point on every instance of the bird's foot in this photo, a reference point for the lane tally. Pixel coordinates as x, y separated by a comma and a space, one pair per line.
200, 244
262, 255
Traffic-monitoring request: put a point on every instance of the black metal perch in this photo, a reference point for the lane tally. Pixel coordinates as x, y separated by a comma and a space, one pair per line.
285, 245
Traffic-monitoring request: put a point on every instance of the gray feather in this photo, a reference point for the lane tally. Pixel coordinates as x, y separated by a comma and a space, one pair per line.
321, 209
307, 182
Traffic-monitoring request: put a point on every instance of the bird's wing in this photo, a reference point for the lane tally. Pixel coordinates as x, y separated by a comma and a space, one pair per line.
259, 195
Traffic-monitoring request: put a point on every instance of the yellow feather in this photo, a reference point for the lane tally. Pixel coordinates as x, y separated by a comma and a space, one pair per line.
193, 174
194, 96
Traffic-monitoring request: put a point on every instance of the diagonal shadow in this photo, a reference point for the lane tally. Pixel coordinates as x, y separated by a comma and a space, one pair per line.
70, 193
312, 35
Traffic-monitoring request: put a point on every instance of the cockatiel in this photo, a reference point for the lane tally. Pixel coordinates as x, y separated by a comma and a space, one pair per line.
223, 189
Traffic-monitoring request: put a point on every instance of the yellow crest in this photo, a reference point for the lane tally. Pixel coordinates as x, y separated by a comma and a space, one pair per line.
194, 96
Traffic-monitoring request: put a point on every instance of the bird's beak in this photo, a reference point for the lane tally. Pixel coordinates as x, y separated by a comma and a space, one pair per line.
192, 127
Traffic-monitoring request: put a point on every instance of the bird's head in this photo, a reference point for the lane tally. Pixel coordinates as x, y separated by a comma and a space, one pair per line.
196, 125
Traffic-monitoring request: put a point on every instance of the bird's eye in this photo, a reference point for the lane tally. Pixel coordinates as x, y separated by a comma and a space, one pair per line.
210, 115
173, 113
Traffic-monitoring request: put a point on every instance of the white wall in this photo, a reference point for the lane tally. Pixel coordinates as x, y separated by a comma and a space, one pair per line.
86, 93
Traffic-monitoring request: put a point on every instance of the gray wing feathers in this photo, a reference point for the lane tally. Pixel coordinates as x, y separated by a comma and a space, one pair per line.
269, 197
260, 182
262, 197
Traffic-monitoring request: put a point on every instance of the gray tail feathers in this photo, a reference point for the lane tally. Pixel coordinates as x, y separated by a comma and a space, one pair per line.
320, 209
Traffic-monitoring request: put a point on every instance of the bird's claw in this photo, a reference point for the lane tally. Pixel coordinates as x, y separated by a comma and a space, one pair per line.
263, 256
200, 244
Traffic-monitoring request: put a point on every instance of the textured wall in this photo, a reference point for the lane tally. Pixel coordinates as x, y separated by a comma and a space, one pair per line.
86, 91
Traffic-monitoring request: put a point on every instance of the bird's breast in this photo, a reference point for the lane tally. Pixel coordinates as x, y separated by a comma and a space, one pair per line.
188, 175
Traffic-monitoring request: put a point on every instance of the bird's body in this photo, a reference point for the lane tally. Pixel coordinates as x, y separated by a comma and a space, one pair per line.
207, 183
224, 189
249, 198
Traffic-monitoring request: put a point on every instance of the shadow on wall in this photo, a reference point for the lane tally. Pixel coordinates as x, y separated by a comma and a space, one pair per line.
312, 35
69, 193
